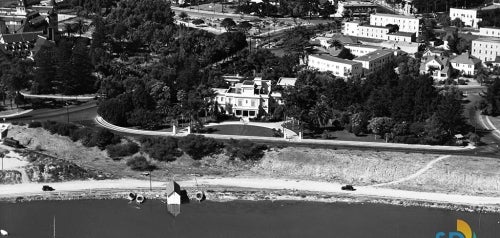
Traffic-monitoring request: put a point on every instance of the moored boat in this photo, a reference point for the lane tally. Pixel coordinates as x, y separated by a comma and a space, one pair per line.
140, 199
131, 196
200, 196
4, 233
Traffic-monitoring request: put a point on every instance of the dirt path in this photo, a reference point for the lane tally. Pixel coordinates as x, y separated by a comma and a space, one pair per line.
256, 183
416, 174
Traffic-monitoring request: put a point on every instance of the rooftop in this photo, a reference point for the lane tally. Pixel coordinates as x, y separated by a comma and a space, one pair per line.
490, 7
334, 59
464, 9
488, 39
20, 37
283, 81
394, 15
465, 58
372, 26
362, 46
402, 33
374, 55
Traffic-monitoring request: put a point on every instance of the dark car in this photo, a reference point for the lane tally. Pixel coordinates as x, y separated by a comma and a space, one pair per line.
348, 188
47, 188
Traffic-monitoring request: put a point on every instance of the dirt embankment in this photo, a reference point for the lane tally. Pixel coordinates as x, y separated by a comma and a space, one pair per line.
455, 174
344, 166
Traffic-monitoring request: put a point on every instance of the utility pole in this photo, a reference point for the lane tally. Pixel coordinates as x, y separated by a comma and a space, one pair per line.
67, 111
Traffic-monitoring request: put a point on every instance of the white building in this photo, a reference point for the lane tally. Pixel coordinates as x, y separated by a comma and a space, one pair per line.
360, 50
468, 16
489, 31
244, 97
375, 60
402, 36
405, 23
355, 8
339, 67
437, 66
373, 32
466, 64
351, 28
486, 49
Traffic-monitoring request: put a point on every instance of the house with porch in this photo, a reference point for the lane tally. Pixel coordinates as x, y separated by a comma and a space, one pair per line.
244, 97
437, 66
466, 64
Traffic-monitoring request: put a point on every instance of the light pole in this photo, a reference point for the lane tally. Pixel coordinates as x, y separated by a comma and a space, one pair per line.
149, 174
67, 111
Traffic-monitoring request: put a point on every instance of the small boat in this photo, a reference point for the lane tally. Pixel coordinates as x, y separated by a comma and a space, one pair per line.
140, 199
4, 233
131, 196
200, 196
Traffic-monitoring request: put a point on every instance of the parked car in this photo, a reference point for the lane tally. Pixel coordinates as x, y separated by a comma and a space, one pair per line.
348, 188
47, 188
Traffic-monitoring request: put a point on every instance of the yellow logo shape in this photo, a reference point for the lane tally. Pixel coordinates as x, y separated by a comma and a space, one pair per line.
464, 228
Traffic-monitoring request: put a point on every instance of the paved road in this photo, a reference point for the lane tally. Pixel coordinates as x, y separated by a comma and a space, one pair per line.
478, 121
316, 142
83, 112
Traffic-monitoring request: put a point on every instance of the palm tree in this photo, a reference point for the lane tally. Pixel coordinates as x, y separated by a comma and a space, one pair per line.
68, 29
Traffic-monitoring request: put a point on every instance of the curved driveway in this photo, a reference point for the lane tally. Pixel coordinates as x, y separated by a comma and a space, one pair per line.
433, 148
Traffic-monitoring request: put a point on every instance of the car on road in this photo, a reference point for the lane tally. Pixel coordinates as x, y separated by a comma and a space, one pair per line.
348, 188
47, 188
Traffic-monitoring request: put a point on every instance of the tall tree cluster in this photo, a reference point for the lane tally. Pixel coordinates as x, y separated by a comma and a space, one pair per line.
65, 68
405, 108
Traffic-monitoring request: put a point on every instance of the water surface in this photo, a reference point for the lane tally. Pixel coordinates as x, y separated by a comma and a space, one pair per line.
118, 218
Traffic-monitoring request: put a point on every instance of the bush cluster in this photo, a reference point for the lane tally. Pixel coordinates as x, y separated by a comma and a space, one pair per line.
121, 150
245, 150
89, 137
198, 146
140, 163
34, 124
161, 148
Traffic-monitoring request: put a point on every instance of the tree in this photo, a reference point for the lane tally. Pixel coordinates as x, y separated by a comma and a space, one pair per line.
457, 22
392, 28
183, 16
244, 27
45, 71
81, 71
228, 24
380, 125
346, 54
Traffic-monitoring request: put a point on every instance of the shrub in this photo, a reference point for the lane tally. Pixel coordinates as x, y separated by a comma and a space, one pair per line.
121, 150
104, 137
245, 150
34, 124
139, 163
161, 148
198, 146
198, 21
60, 128
99, 137
81, 134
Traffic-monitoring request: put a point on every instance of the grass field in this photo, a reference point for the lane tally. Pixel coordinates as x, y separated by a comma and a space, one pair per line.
344, 166
8, 3
462, 174
245, 130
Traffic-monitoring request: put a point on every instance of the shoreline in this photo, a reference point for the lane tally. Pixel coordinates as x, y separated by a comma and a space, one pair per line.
232, 193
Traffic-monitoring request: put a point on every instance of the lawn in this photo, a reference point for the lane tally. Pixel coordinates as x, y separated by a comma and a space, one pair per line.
244, 130
8, 3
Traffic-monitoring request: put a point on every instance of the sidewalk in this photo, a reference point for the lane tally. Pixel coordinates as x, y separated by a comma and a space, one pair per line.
100, 121
7, 114
58, 96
